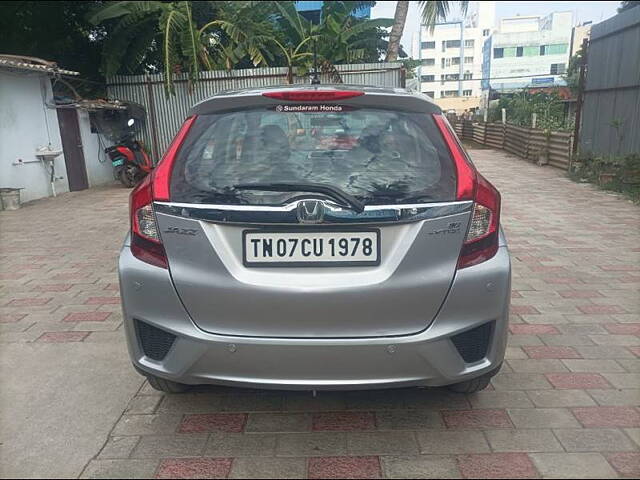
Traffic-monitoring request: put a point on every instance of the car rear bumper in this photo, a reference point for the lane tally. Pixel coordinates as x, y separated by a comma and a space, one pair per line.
479, 295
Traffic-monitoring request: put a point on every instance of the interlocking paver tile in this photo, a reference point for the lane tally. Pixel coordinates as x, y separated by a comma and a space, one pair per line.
626, 463
344, 467
86, 317
420, 466
608, 416
212, 422
531, 440
265, 467
477, 419
594, 440
241, 445
542, 418
278, 422
577, 380
160, 446
62, 337
572, 465
343, 421
551, 352
497, 465
194, 468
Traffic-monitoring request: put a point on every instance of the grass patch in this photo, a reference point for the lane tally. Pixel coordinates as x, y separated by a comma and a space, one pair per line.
619, 173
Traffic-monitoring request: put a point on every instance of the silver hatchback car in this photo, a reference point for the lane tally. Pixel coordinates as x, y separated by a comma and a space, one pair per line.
316, 237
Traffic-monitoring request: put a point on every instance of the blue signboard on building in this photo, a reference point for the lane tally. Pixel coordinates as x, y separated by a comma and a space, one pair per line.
542, 81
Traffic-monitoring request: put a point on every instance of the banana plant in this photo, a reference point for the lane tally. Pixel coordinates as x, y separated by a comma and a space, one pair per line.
144, 27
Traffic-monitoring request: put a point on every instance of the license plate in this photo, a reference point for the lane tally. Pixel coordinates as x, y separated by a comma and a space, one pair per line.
117, 163
311, 248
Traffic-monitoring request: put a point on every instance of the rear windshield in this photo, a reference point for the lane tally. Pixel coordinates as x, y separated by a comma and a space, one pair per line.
378, 156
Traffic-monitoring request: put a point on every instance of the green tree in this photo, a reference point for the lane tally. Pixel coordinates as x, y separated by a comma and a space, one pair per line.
140, 28
431, 11
58, 32
572, 74
339, 38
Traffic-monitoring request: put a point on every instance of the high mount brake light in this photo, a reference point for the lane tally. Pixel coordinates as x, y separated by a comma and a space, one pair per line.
312, 95
162, 173
146, 244
481, 241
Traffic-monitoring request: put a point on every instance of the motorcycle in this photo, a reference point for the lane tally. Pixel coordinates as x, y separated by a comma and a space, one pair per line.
129, 159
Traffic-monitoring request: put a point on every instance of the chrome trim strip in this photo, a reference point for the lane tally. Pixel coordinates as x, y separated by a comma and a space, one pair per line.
335, 214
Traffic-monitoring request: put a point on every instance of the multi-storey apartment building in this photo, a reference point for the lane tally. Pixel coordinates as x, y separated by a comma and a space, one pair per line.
527, 51
451, 58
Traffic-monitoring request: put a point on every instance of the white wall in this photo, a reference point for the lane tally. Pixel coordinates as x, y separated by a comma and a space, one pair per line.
23, 129
99, 168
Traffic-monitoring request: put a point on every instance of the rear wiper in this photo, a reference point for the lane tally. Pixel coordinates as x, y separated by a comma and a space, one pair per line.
328, 190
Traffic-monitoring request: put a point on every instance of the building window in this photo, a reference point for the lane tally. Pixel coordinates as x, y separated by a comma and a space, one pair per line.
452, 43
485, 32
450, 77
519, 51
468, 76
430, 94
455, 61
557, 68
428, 45
531, 51
557, 49
498, 52
428, 62
509, 51
428, 78
466, 93
543, 49
450, 93
468, 43
468, 59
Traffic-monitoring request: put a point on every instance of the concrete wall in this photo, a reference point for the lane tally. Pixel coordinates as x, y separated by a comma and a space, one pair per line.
99, 169
25, 125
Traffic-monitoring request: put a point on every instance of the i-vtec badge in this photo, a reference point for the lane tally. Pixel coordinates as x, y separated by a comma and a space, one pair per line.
310, 211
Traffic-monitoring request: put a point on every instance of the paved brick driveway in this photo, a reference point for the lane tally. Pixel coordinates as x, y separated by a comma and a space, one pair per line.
565, 404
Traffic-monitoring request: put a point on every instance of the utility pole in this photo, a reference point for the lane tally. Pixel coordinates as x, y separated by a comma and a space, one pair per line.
461, 69
579, 100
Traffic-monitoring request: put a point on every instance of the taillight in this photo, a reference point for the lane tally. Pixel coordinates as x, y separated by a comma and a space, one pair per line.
312, 95
162, 173
146, 244
481, 242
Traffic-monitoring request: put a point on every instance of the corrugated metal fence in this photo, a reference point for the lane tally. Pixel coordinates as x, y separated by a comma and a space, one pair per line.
611, 111
166, 114
532, 144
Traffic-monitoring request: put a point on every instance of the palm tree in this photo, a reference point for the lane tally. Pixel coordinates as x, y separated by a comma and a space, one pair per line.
339, 38
244, 30
431, 10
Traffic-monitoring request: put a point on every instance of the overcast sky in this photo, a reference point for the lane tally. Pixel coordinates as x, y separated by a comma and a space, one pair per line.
582, 12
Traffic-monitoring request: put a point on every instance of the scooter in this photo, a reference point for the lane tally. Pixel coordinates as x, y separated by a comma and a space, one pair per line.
129, 159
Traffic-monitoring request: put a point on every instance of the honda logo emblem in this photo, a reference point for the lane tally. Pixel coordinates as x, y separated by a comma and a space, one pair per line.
310, 211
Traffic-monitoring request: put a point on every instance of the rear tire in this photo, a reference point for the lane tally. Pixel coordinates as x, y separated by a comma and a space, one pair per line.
166, 386
475, 384
130, 176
